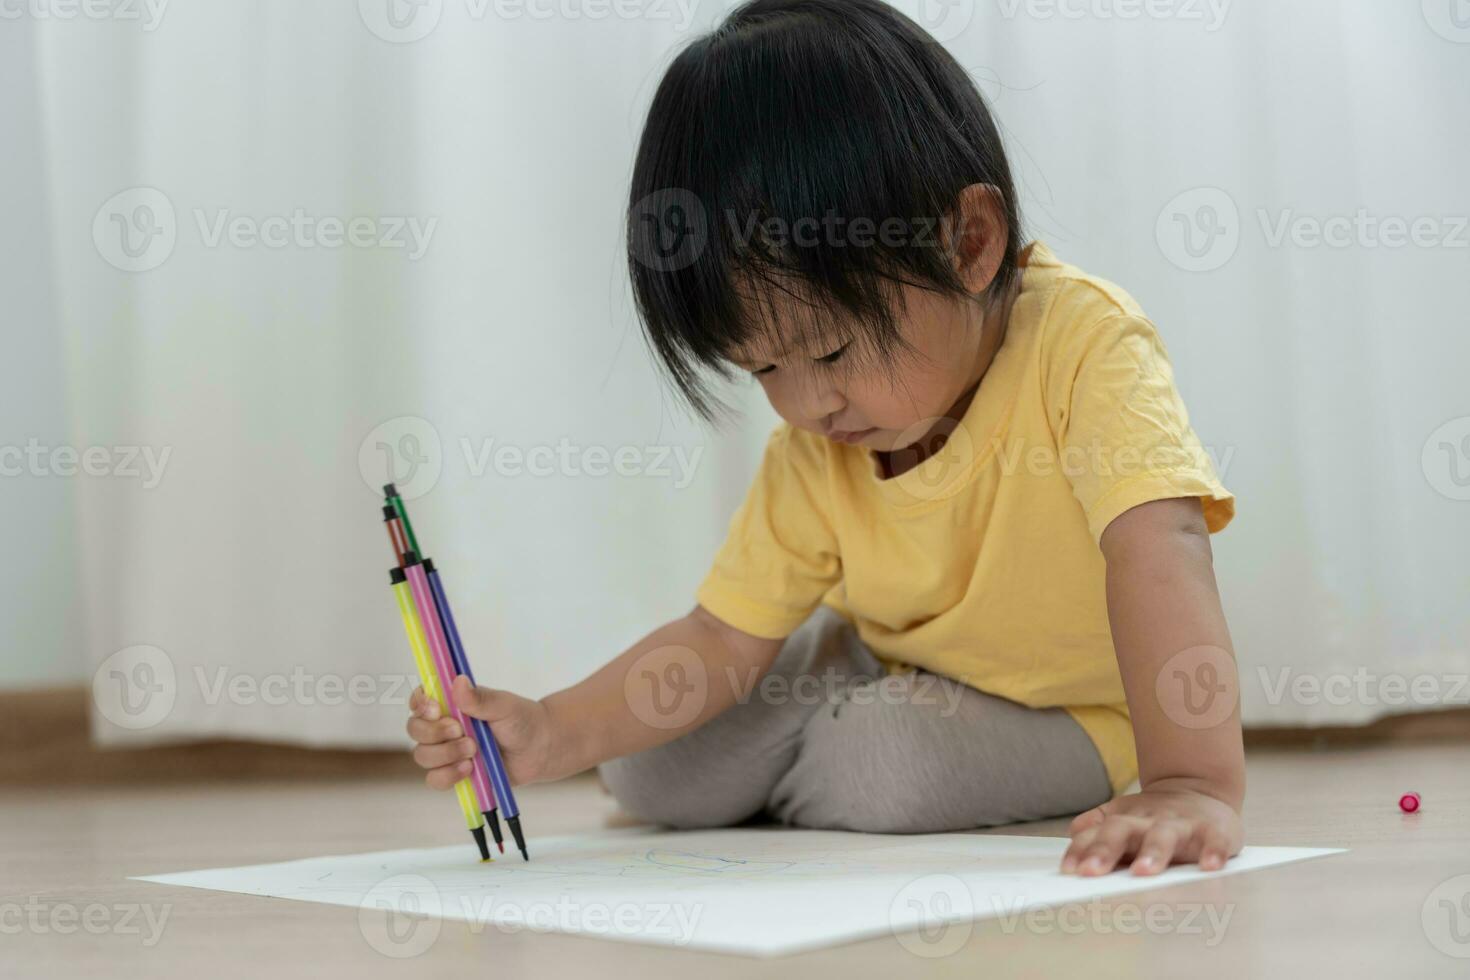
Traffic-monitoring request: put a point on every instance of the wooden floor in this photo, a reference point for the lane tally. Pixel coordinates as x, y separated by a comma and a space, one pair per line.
66, 908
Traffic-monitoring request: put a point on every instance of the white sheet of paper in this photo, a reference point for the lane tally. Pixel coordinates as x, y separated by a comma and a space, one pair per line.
749, 891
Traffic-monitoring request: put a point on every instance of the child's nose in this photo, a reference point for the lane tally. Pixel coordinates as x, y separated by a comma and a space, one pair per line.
820, 399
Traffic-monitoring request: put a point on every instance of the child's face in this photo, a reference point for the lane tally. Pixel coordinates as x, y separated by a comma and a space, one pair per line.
880, 407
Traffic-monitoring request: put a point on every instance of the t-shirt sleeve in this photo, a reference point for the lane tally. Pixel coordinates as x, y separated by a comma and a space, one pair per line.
1123, 431
780, 555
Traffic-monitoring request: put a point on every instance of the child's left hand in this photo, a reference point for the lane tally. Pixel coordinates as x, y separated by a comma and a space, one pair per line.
1157, 827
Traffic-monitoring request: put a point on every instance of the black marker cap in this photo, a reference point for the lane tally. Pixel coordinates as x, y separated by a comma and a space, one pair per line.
492, 820
411, 557
388, 512
396, 576
389, 490
479, 833
515, 828
428, 565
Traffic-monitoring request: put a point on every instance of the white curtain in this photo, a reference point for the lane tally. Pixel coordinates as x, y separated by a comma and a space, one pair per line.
478, 326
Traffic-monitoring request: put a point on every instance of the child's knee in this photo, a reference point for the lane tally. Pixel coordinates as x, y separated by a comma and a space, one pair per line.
889, 761
656, 793
885, 799
867, 774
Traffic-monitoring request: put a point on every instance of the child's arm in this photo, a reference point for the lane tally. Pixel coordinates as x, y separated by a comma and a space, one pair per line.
1179, 675
672, 681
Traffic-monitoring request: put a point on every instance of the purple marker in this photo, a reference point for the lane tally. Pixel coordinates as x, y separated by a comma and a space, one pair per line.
498, 777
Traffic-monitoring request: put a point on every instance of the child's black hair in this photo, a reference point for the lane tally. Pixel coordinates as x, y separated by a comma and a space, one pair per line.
769, 142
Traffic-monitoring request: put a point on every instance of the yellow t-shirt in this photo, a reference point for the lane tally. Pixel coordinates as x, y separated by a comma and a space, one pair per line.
982, 563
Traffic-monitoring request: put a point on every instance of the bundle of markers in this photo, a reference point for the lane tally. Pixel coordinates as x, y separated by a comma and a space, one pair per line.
440, 657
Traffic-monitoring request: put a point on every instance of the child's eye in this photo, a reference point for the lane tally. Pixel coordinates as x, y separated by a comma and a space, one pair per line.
833, 357
765, 370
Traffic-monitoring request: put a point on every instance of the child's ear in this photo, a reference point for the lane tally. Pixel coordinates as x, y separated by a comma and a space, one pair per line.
975, 235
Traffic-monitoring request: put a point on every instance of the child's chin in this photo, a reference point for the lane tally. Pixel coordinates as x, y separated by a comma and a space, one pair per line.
880, 441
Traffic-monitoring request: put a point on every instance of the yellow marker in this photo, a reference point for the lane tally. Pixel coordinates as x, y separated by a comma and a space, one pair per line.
430, 681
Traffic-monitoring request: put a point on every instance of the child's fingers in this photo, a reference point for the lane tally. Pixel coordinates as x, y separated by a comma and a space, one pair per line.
433, 732
1119, 834
423, 706
481, 702
1086, 819
1081, 840
444, 753
1158, 847
1214, 849
446, 776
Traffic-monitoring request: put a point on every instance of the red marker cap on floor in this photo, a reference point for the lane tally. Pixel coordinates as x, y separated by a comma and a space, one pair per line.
1409, 802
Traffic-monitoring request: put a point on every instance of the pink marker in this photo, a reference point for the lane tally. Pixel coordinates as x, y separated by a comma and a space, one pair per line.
428, 614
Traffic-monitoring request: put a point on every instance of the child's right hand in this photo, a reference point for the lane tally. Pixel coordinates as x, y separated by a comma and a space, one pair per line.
521, 727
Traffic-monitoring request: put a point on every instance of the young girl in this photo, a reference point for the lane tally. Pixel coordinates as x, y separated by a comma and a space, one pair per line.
974, 569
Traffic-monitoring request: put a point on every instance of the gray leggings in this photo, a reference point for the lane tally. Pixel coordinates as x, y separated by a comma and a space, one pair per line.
827, 741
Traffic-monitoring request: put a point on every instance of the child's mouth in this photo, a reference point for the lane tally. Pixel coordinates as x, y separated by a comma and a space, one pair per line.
856, 435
